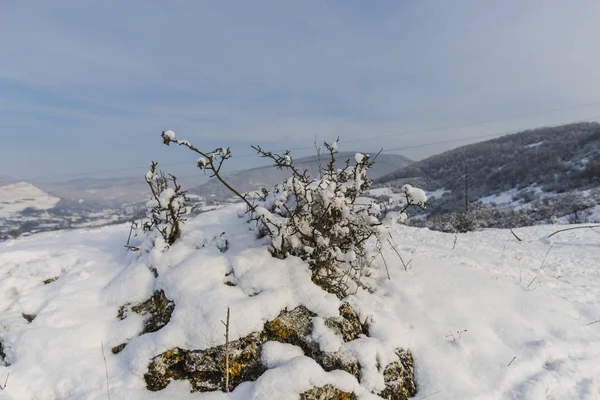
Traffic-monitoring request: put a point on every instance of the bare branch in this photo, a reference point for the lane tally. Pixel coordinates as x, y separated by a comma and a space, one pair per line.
576, 227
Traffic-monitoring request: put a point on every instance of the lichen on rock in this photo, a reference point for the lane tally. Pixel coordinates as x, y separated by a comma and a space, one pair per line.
205, 369
399, 377
348, 325
157, 311
327, 392
290, 326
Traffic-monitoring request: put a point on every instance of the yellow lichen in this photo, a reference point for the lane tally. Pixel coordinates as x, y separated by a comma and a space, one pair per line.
279, 329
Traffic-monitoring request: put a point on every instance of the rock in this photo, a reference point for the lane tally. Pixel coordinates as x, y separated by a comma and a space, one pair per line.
205, 369
3, 355
348, 326
119, 348
157, 310
399, 377
28, 317
294, 327
327, 392
48, 281
291, 327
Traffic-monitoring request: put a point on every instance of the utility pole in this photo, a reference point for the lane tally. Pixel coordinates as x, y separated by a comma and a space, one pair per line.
466, 188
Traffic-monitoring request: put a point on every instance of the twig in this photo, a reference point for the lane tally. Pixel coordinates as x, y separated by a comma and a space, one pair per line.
544, 260
131, 230
106, 369
5, 382
386, 266
399, 256
577, 227
592, 323
226, 352
455, 238
511, 361
533, 280
515, 235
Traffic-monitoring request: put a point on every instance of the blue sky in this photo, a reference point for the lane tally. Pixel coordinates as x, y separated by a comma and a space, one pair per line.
88, 86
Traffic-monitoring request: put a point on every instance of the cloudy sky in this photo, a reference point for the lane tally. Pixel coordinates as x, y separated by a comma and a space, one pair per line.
88, 86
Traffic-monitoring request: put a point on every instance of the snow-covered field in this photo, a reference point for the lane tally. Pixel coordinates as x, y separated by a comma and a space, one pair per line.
486, 316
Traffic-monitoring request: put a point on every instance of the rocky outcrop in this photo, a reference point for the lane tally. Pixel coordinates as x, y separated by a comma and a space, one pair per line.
205, 369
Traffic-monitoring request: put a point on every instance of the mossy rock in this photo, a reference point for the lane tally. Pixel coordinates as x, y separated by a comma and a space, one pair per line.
348, 325
157, 311
327, 392
291, 327
295, 327
399, 377
205, 369
118, 349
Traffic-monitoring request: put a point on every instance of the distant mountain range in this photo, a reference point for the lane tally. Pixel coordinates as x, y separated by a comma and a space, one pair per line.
536, 176
555, 168
27, 207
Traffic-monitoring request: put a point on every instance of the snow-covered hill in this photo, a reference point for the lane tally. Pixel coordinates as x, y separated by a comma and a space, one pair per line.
16, 197
485, 316
547, 172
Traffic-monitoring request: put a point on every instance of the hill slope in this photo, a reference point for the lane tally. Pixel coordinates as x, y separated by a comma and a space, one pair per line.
514, 169
60, 295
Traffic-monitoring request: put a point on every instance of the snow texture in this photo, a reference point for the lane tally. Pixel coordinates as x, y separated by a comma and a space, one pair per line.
527, 312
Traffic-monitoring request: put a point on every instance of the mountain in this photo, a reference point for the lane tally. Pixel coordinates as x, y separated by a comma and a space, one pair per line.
267, 176
546, 168
16, 198
27, 208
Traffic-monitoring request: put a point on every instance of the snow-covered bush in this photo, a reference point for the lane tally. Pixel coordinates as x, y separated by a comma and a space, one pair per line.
321, 220
166, 209
317, 219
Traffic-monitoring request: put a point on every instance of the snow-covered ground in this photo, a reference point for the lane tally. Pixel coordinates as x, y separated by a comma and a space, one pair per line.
16, 197
486, 316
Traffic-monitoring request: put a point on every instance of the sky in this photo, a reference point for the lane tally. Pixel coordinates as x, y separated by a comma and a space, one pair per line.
87, 87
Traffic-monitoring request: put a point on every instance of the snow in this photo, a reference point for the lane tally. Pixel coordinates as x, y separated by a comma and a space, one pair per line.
438, 193
275, 354
16, 197
169, 134
359, 157
525, 310
504, 198
536, 144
